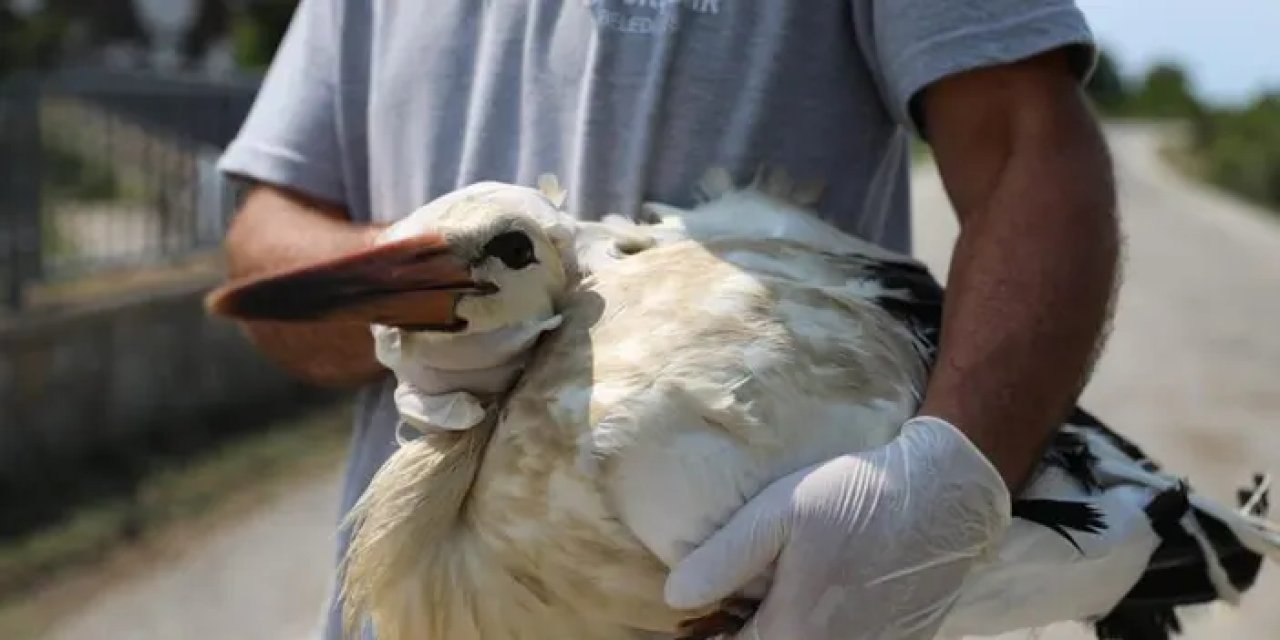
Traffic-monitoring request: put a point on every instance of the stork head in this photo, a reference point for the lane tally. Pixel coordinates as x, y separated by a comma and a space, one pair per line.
481, 258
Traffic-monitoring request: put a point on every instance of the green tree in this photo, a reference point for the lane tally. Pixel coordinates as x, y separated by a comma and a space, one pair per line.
1239, 149
1107, 87
1166, 93
28, 42
257, 29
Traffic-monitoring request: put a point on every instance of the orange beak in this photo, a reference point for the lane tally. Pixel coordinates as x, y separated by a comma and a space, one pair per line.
413, 284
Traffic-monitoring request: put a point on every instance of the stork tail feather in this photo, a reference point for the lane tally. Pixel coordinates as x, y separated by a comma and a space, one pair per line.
1207, 554
1157, 623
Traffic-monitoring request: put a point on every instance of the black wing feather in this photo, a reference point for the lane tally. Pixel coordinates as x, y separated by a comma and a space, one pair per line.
1061, 515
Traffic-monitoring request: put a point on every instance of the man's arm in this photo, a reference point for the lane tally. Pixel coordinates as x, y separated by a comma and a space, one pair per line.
278, 229
1035, 266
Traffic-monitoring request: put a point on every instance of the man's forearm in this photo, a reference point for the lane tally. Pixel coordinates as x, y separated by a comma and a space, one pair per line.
1030, 285
277, 229
1027, 302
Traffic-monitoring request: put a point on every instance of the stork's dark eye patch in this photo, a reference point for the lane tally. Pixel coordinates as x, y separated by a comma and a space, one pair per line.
513, 248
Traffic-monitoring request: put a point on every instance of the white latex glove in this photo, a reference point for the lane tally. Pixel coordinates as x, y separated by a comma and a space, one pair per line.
445, 382
869, 545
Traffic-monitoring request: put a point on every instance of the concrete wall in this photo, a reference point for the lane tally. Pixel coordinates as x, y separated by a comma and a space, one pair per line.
91, 394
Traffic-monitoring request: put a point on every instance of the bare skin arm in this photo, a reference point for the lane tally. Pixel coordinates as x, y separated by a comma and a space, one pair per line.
1035, 266
277, 229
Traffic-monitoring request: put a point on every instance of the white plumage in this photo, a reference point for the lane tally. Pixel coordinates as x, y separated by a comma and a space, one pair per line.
697, 358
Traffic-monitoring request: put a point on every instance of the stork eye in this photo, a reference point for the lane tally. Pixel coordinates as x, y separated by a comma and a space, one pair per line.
513, 248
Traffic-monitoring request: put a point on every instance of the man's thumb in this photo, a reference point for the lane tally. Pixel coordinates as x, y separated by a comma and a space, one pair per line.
741, 550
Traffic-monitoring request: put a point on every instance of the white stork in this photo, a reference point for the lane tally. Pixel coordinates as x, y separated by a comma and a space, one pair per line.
697, 358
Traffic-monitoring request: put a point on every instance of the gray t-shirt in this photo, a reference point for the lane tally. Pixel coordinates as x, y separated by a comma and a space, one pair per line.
382, 106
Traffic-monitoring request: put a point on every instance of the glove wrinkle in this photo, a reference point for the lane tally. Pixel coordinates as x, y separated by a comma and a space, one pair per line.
449, 382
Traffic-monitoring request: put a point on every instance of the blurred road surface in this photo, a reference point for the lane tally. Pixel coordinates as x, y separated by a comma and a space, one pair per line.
1192, 372
263, 578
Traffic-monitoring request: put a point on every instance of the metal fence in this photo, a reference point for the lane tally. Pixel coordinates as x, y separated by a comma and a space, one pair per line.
106, 170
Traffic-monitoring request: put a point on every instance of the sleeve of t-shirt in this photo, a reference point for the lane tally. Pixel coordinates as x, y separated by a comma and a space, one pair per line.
290, 136
913, 43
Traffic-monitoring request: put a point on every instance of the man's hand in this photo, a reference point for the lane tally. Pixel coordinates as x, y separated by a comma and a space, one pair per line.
869, 545
277, 229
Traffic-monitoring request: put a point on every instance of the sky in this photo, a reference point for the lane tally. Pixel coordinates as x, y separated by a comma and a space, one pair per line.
1231, 48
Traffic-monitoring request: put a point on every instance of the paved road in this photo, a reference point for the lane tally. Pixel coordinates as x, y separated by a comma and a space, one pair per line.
1191, 372
264, 578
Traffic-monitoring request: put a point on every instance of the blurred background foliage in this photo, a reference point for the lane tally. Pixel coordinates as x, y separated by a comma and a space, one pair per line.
31, 41
1236, 147
256, 31
65, 32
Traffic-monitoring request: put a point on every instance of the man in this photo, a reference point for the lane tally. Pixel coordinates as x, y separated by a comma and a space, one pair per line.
371, 109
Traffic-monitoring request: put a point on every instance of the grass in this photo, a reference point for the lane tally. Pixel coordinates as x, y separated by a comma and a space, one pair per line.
1194, 166
180, 502
68, 175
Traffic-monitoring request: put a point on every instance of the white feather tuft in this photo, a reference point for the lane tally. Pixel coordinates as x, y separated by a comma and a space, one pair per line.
549, 186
